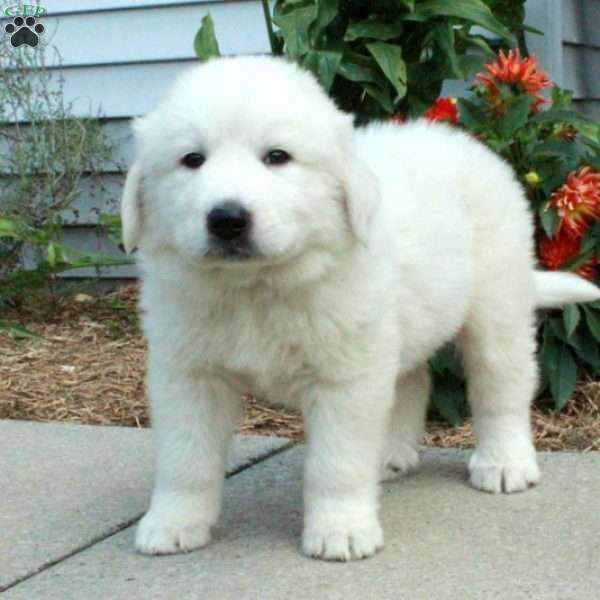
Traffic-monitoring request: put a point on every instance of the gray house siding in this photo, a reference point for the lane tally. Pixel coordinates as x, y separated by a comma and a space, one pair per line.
581, 48
118, 57
570, 48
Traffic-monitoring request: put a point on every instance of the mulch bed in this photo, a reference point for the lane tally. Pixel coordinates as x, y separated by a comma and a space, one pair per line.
89, 368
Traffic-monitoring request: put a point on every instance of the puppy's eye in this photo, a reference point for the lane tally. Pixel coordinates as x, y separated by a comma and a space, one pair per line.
193, 160
276, 157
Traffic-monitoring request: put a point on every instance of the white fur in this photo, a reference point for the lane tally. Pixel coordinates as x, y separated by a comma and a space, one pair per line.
375, 247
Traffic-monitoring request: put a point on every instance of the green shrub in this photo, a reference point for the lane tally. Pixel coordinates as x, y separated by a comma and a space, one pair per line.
388, 56
45, 151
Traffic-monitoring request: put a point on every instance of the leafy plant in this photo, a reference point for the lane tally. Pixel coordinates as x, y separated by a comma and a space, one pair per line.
387, 56
556, 154
45, 152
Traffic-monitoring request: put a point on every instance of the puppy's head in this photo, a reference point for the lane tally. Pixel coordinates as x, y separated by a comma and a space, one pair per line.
246, 161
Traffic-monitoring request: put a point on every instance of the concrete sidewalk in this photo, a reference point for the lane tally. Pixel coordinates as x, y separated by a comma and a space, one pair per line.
69, 496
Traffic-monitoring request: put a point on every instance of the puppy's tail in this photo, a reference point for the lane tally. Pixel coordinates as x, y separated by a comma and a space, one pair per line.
554, 289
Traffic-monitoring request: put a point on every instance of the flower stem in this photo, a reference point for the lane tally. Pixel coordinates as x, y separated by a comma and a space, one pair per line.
269, 24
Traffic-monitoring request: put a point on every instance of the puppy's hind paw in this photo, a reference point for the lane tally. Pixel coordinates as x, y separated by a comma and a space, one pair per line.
401, 460
157, 535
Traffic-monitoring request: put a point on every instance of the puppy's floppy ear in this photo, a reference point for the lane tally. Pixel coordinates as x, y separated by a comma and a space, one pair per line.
361, 197
130, 208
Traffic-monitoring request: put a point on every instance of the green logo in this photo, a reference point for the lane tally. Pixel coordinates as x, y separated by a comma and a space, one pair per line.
24, 28
24, 10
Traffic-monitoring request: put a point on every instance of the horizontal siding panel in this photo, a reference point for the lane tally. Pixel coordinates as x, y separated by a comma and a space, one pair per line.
87, 6
582, 70
100, 195
120, 90
581, 22
95, 196
154, 34
119, 134
591, 108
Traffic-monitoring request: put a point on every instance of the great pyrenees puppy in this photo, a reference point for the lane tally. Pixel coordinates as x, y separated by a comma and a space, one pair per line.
287, 254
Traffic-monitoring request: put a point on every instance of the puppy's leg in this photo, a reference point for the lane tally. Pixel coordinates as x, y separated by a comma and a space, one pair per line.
501, 379
346, 432
193, 422
407, 423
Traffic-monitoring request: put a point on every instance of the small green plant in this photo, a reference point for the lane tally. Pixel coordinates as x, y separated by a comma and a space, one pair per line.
45, 152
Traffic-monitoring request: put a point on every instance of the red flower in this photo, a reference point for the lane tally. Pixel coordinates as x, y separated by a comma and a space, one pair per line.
444, 109
556, 251
512, 69
577, 201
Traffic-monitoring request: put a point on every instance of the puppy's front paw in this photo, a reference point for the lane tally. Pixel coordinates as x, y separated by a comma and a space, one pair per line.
508, 474
163, 534
339, 540
401, 459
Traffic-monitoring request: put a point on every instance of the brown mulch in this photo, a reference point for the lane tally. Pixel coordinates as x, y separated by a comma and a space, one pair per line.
89, 369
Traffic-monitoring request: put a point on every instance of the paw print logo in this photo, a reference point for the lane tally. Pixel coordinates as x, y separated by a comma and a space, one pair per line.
24, 31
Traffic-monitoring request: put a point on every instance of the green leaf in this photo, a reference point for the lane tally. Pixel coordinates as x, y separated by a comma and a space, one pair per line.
589, 351
471, 115
448, 397
51, 255
553, 172
294, 22
557, 116
18, 331
8, 227
469, 64
590, 131
549, 353
473, 11
571, 317
593, 322
373, 29
557, 327
476, 40
549, 219
549, 148
563, 378
588, 246
389, 59
443, 34
516, 116
327, 10
324, 64
530, 29
561, 98
381, 95
446, 361
205, 42
359, 73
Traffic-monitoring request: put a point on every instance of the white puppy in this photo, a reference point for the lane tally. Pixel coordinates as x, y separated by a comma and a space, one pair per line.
286, 254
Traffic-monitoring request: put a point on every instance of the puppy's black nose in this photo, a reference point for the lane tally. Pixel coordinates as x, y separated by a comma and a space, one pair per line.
228, 220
